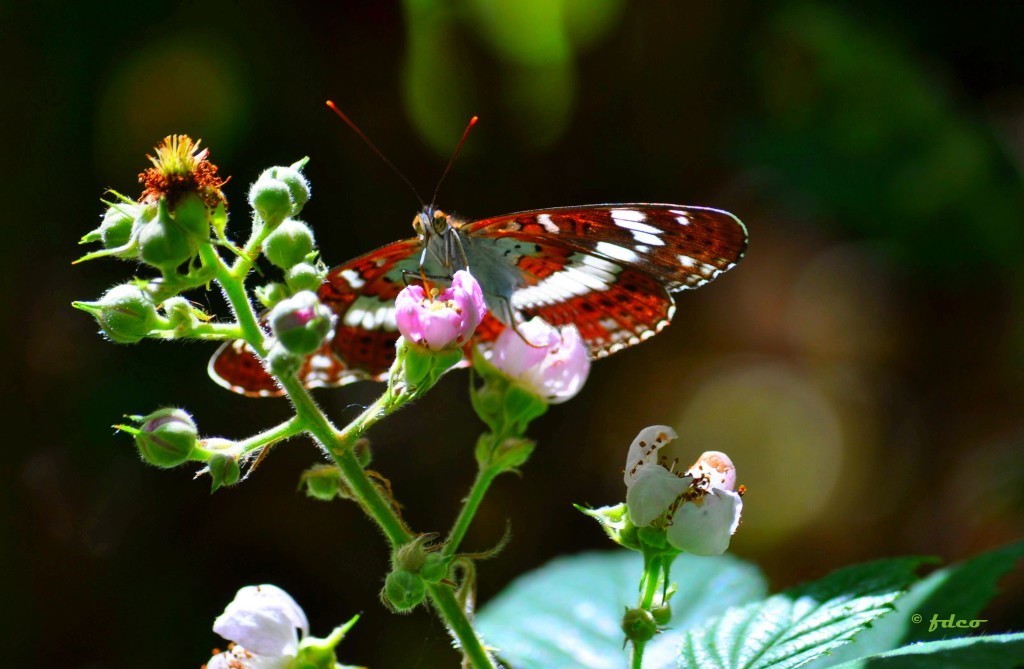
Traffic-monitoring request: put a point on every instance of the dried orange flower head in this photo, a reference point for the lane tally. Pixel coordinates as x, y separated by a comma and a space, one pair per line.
181, 167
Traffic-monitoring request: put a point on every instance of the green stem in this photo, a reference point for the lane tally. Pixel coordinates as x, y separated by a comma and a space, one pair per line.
458, 621
203, 331
234, 292
340, 445
289, 428
651, 576
652, 573
484, 477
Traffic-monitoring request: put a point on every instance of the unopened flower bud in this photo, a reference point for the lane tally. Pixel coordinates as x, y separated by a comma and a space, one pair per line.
116, 228
282, 362
180, 313
271, 293
191, 215
297, 184
167, 437
435, 568
224, 470
162, 243
301, 323
322, 482
639, 625
662, 614
289, 244
126, 313
304, 276
271, 199
403, 590
362, 450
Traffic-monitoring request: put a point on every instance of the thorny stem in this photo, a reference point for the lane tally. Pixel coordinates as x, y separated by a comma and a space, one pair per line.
340, 446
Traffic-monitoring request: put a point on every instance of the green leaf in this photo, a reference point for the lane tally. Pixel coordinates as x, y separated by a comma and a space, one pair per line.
961, 590
1000, 651
791, 628
567, 613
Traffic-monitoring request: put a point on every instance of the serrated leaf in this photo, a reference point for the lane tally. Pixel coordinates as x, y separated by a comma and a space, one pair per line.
566, 614
999, 651
790, 629
960, 589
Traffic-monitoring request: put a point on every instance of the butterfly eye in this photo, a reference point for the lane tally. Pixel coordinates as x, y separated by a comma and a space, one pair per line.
417, 225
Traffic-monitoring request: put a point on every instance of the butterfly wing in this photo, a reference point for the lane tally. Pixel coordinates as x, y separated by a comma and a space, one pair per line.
361, 293
609, 269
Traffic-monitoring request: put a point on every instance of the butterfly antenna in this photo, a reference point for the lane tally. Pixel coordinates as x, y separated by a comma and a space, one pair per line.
458, 147
379, 153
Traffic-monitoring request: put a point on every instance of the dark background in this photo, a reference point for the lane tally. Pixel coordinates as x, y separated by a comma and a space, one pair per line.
863, 366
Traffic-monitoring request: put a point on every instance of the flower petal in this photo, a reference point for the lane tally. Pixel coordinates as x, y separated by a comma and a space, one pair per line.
704, 526
653, 491
717, 468
514, 356
263, 619
565, 369
644, 449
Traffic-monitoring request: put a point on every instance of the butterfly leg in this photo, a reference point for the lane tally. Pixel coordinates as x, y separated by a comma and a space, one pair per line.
511, 319
422, 276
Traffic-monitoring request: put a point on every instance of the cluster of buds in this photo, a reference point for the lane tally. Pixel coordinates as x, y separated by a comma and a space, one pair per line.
414, 566
181, 200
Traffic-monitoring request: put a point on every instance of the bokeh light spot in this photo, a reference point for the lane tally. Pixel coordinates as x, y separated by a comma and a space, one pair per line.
782, 433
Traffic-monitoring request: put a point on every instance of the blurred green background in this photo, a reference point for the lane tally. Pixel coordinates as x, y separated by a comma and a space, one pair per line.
863, 366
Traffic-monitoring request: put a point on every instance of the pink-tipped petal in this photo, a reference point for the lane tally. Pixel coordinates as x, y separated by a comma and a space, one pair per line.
717, 468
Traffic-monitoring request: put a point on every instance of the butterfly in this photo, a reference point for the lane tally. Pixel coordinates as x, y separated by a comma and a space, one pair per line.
609, 269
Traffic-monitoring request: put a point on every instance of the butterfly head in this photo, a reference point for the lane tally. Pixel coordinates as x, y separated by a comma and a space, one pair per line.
431, 222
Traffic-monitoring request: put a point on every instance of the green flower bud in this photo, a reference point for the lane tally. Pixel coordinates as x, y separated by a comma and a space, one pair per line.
162, 243
412, 555
304, 276
322, 482
435, 568
224, 470
662, 614
289, 244
167, 437
271, 199
118, 223
403, 591
180, 313
271, 294
639, 625
363, 453
301, 323
282, 362
126, 313
297, 184
191, 215
509, 454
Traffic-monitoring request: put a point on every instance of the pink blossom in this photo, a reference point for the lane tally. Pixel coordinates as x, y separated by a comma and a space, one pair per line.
555, 367
443, 321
